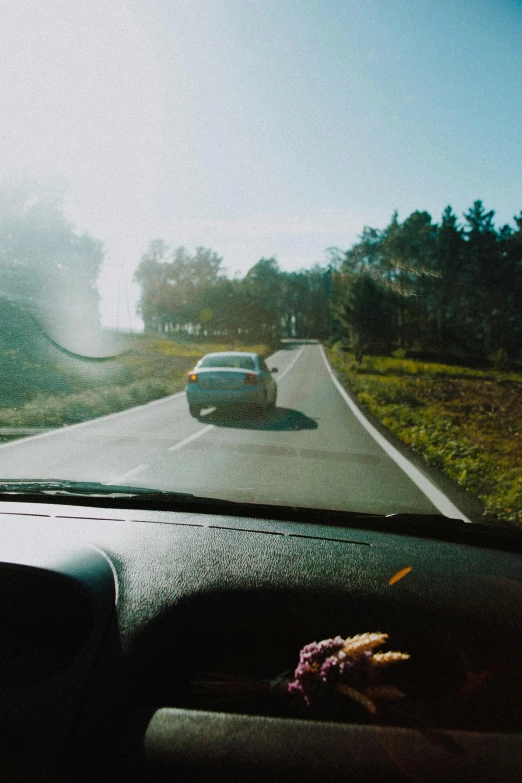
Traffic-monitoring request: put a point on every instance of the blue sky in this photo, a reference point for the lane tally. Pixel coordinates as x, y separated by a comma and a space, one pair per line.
266, 128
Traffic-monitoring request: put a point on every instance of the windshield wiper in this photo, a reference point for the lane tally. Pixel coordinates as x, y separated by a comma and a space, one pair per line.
92, 489
46, 489
442, 523
87, 488
436, 520
93, 493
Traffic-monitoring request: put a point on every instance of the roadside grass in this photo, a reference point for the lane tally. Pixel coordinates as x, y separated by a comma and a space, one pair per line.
465, 422
150, 367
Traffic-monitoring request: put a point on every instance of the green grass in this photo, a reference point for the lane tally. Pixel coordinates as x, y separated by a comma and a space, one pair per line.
151, 367
465, 422
387, 365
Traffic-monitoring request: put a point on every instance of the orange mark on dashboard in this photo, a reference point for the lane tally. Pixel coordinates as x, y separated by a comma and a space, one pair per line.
399, 575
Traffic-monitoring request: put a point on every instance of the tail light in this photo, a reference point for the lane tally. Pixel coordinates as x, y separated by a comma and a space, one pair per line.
251, 379
192, 377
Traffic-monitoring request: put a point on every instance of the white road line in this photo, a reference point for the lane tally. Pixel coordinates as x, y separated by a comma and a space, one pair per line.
190, 438
129, 474
69, 427
299, 352
438, 498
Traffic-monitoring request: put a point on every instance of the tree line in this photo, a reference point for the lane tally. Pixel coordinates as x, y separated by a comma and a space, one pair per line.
189, 295
450, 289
445, 289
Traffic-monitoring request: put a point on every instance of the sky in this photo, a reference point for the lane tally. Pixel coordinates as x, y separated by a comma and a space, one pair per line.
275, 128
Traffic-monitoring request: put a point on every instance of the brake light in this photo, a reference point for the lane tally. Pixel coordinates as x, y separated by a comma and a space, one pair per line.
251, 379
192, 377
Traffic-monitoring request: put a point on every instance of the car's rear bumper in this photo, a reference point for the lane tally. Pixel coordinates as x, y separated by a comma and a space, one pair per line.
206, 398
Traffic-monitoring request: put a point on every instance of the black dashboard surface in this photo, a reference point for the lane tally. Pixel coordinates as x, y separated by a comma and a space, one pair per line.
119, 611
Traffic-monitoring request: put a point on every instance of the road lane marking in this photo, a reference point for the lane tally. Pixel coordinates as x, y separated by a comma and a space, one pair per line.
190, 438
129, 474
438, 498
299, 352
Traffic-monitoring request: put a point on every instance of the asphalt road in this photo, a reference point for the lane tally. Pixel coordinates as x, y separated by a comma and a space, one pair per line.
311, 451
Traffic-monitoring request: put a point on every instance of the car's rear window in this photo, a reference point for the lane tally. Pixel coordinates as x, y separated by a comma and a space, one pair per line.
233, 360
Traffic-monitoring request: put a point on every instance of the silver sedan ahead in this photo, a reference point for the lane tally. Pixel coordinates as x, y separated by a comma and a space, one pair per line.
231, 378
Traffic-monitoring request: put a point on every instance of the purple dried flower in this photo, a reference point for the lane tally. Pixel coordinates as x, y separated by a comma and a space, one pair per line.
347, 666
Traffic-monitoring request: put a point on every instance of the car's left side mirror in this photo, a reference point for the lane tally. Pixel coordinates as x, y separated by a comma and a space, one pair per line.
274, 369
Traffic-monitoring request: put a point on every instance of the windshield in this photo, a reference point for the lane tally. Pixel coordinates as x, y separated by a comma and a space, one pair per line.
331, 186
228, 360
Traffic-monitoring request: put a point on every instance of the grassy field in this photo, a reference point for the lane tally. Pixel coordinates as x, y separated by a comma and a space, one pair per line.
55, 389
465, 422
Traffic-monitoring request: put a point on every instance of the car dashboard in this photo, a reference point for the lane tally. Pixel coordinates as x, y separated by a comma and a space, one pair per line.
112, 618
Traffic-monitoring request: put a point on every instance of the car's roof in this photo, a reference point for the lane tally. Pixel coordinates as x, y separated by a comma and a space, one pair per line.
230, 353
